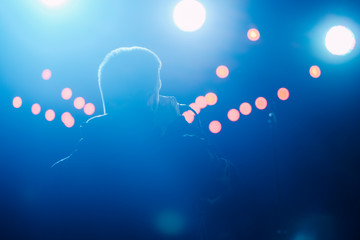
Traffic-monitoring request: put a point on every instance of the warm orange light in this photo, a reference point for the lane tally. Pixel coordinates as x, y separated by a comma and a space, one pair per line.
215, 127
17, 102
245, 108
253, 34
201, 102
46, 74
315, 71
36, 109
50, 115
79, 103
222, 71
211, 98
189, 116
68, 119
89, 109
66, 93
195, 108
283, 94
261, 103
233, 115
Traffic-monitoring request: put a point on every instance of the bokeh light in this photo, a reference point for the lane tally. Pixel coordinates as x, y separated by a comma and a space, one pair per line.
233, 115
170, 223
245, 108
211, 98
89, 109
315, 71
36, 109
79, 103
215, 127
54, 3
46, 74
201, 102
261, 103
340, 40
253, 34
189, 116
17, 102
283, 94
68, 119
195, 107
50, 115
222, 71
189, 15
66, 93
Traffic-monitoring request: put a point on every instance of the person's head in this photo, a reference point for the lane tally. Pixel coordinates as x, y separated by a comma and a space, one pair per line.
129, 77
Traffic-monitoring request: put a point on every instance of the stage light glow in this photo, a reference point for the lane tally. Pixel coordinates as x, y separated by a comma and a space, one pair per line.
36, 109
46, 74
253, 34
68, 119
201, 102
189, 15
222, 71
54, 3
66, 93
17, 102
245, 108
283, 94
189, 116
50, 115
215, 127
195, 107
340, 40
261, 103
233, 115
211, 98
89, 109
79, 103
315, 71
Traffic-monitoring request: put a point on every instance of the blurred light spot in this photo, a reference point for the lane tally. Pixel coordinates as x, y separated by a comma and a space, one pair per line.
222, 71
89, 109
233, 115
46, 74
17, 102
245, 108
283, 94
195, 107
170, 223
201, 102
67, 119
340, 40
50, 115
189, 15
211, 98
54, 3
261, 103
79, 103
36, 109
215, 127
66, 93
253, 34
315, 71
189, 116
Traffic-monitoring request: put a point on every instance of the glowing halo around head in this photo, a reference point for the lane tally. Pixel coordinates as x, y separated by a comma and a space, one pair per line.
54, 3
340, 40
189, 15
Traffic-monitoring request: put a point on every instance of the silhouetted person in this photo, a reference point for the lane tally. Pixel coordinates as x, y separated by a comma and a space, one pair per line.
135, 174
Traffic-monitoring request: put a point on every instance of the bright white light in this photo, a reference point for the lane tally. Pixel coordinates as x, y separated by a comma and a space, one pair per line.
54, 3
189, 15
340, 40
